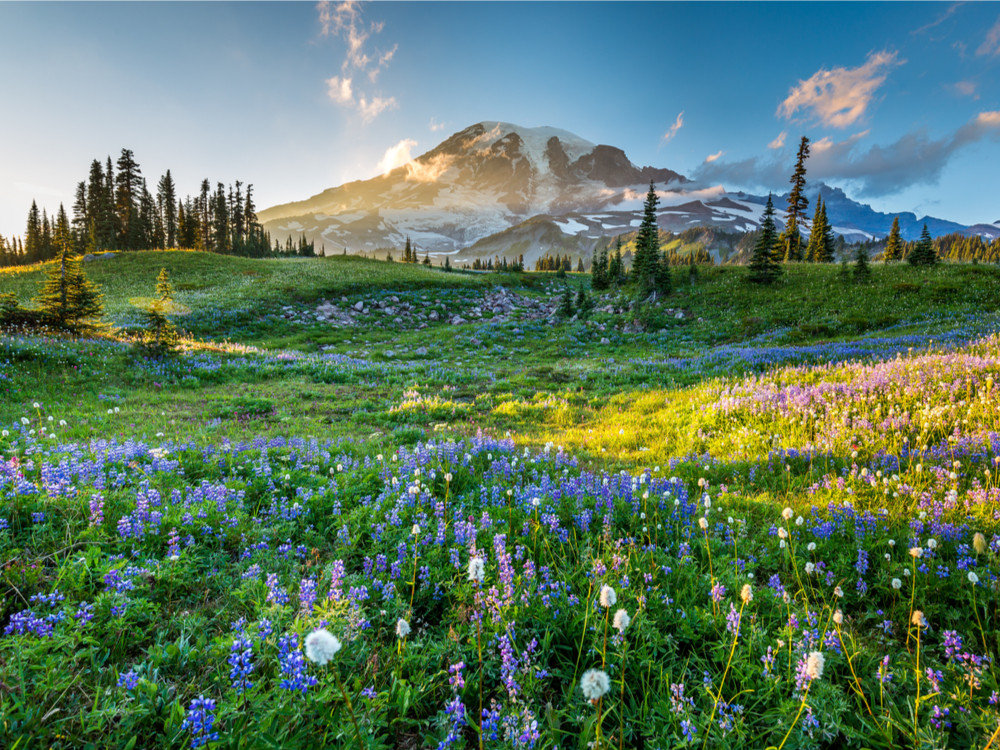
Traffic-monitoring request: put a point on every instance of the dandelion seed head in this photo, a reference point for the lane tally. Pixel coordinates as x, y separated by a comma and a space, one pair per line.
815, 664
321, 646
402, 628
621, 620
608, 597
594, 684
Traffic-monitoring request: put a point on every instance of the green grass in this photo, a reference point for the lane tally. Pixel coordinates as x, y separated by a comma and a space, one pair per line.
706, 398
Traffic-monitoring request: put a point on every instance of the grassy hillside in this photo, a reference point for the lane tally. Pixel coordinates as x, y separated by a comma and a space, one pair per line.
791, 492
210, 282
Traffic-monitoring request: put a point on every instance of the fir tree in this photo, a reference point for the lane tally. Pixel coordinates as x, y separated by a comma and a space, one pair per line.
923, 253
33, 235
862, 271
565, 309
764, 268
599, 271
647, 245
797, 205
166, 200
616, 264
161, 337
584, 303
67, 297
894, 244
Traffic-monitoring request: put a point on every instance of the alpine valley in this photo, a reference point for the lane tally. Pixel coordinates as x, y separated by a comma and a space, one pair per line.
498, 189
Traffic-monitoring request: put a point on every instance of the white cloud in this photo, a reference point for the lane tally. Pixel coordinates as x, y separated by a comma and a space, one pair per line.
913, 159
397, 156
344, 20
779, 141
417, 170
340, 90
712, 157
991, 45
839, 97
678, 124
435, 126
965, 88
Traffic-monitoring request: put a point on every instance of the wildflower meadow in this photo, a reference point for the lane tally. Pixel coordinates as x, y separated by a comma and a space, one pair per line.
253, 546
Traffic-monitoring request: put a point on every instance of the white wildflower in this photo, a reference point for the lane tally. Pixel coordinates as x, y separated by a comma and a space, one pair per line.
787, 514
402, 628
703, 523
477, 569
321, 646
608, 597
973, 578
838, 617
897, 584
746, 594
815, 664
594, 684
621, 620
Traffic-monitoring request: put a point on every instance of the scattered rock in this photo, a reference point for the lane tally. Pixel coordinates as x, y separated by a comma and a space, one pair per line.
605, 341
359, 305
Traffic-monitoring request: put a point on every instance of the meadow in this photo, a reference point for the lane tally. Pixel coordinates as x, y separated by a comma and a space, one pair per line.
743, 518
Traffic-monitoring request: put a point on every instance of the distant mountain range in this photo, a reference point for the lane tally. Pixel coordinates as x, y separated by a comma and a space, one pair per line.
501, 189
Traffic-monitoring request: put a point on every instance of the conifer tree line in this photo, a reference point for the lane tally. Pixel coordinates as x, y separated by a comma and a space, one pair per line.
501, 265
114, 210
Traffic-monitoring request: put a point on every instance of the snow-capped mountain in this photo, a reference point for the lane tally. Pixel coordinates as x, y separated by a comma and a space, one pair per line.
540, 190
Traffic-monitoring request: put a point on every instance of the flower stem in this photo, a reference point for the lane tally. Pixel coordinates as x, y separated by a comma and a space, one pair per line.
350, 708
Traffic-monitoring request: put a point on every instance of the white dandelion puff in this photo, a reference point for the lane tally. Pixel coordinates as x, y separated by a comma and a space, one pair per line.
402, 628
594, 684
621, 620
321, 646
608, 597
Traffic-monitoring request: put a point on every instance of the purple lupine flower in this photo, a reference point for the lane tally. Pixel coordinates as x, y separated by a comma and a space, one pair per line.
241, 663
307, 595
275, 593
128, 680
293, 665
199, 721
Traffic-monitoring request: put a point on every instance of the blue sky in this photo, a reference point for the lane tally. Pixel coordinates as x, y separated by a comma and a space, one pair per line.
901, 100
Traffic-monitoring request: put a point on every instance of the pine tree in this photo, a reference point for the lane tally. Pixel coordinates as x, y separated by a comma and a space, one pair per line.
797, 205
893, 245
408, 256
764, 268
923, 253
829, 253
584, 303
862, 271
166, 202
616, 264
161, 337
67, 297
647, 245
816, 233
599, 271
565, 309
128, 194
33, 235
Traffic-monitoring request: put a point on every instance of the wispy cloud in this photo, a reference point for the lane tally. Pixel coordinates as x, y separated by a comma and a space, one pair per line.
779, 141
839, 97
940, 19
991, 45
417, 170
678, 124
344, 20
965, 88
877, 170
714, 157
397, 156
435, 126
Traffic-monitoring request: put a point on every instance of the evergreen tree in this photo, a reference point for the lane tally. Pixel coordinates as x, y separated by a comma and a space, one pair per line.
923, 253
128, 194
829, 245
447, 264
816, 233
797, 205
565, 309
427, 258
33, 235
647, 245
764, 268
599, 271
166, 201
616, 264
584, 303
161, 337
894, 244
67, 297
81, 223
862, 271
408, 254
